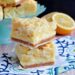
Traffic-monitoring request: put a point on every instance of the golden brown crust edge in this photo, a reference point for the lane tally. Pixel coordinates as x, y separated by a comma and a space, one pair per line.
38, 65
30, 44
7, 5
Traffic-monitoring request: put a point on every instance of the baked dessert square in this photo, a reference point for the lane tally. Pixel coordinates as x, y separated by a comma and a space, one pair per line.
25, 8
29, 6
42, 56
32, 32
10, 12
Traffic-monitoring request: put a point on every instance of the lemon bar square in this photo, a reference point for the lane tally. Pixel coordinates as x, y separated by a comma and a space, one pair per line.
32, 31
42, 56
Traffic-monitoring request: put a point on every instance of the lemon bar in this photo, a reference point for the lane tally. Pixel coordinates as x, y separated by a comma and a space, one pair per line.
10, 12
25, 8
29, 6
42, 56
32, 31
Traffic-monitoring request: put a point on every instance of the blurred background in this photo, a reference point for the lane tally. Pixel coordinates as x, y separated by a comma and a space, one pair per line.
66, 6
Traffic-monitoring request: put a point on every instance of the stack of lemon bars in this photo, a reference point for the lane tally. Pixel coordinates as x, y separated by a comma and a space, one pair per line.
34, 38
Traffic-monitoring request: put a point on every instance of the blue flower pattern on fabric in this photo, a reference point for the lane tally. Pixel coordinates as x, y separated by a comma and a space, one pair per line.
69, 67
66, 49
38, 72
48, 71
5, 63
62, 45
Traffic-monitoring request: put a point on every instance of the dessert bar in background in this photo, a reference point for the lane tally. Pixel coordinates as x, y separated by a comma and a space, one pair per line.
28, 6
17, 8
